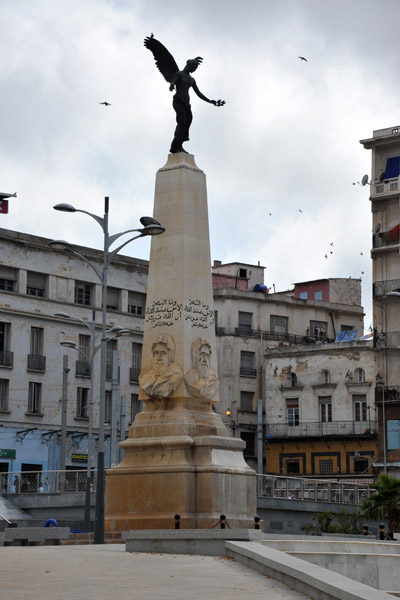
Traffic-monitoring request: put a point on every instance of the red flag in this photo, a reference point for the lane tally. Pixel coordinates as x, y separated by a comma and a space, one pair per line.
3, 207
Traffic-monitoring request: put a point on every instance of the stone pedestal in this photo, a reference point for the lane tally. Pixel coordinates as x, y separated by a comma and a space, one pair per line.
179, 457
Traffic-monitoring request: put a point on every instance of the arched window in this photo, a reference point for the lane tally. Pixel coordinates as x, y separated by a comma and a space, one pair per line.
325, 377
360, 375
293, 378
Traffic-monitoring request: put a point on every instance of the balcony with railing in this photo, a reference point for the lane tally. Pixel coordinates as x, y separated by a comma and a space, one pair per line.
6, 358
134, 373
270, 335
36, 362
386, 187
109, 371
82, 368
318, 429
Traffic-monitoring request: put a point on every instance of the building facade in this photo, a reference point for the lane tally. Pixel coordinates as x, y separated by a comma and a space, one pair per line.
320, 410
43, 295
384, 190
254, 326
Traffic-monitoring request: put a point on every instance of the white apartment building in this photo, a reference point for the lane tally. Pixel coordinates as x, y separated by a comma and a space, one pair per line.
384, 191
36, 282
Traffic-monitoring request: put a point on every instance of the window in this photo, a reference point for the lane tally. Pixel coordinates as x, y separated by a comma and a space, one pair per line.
346, 328
83, 363
250, 439
360, 407
82, 402
8, 279
325, 377
36, 284
318, 330
326, 465
393, 434
303, 295
136, 406
292, 407
136, 303
83, 293
136, 361
107, 414
6, 357
292, 466
113, 295
37, 341
360, 375
278, 324
34, 397
360, 464
111, 346
36, 360
293, 379
317, 295
245, 322
243, 273
4, 383
325, 409
248, 364
247, 401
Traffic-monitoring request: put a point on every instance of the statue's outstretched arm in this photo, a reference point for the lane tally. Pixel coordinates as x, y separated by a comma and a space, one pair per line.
203, 97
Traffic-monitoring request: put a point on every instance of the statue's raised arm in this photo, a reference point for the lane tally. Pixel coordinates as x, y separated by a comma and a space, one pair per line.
181, 82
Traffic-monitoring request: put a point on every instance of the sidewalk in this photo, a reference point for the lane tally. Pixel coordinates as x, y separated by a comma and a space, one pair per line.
107, 572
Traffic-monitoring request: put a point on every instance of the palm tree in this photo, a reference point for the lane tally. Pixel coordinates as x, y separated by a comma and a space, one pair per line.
385, 502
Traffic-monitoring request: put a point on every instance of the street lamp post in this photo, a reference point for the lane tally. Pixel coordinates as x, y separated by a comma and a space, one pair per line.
150, 227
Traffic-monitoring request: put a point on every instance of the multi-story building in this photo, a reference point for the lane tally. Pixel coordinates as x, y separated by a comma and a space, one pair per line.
385, 205
320, 409
43, 295
40, 286
255, 326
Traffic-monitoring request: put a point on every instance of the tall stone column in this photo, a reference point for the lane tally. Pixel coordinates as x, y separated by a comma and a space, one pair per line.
179, 457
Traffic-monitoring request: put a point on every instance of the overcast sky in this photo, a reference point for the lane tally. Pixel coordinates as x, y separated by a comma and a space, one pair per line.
286, 141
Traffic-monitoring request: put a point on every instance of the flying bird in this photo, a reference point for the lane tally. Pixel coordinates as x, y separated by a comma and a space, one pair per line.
361, 254
331, 244
300, 210
302, 58
326, 256
105, 103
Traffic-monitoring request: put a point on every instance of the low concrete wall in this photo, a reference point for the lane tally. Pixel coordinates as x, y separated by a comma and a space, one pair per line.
315, 581
33, 536
206, 542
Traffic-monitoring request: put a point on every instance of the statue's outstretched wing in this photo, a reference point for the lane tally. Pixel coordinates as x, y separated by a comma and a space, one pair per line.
164, 60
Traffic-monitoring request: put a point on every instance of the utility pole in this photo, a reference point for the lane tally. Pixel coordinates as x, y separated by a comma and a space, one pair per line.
64, 409
122, 425
114, 416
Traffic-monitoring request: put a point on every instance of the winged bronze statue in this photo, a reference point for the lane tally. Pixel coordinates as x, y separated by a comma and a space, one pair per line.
181, 82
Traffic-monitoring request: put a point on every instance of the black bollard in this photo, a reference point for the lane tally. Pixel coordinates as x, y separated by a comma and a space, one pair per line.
177, 521
257, 522
222, 521
381, 531
365, 529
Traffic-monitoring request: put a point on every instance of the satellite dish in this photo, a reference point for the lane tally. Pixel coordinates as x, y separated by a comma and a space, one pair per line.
378, 227
364, 180
382, 177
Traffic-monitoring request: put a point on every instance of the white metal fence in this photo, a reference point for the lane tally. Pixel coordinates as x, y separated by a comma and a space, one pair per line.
31, 482
316, 490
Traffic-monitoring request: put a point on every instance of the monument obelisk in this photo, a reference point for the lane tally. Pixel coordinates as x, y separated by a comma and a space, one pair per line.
179, 457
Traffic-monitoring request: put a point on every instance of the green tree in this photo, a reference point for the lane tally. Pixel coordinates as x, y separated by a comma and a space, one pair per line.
385, 502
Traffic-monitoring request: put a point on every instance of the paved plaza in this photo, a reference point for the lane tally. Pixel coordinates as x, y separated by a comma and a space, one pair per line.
108, 572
